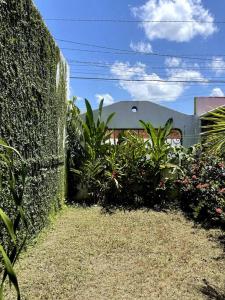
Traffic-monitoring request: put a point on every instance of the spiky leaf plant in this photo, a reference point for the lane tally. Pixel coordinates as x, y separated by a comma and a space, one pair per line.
11, 178
214, 131
95, 130
159, 148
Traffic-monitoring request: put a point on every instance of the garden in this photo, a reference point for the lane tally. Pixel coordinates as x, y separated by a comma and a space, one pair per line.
136, 173
142, 219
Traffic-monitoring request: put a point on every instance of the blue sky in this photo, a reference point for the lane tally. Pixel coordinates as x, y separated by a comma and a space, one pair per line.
204, 41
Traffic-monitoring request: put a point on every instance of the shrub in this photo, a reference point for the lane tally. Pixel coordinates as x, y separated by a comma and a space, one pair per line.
87, 149
202, 188
123, 180
75, 147
150, 173
135, 178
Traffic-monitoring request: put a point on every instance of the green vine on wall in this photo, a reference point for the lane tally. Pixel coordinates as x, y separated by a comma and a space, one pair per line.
33, 108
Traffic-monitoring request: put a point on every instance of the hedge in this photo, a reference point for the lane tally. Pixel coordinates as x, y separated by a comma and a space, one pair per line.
33, 88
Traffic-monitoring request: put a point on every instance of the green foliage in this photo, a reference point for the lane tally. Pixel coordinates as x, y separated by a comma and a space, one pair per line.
75, 147
89, 178
127, 174
135, 178
136, 173
15, 180
215, 131
202, 188
32, 109
87, 148
123, 182
95, 131
159, 150
75, 138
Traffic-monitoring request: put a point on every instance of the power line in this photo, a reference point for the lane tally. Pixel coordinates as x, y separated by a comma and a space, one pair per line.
132, 21
100, 64
147, 75
149, 80
95, 51
75, 67
165, 70
126, 51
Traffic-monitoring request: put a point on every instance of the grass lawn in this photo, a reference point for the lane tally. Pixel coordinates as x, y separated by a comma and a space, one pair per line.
86, 254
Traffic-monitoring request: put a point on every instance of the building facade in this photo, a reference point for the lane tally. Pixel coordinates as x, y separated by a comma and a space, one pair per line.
186, 128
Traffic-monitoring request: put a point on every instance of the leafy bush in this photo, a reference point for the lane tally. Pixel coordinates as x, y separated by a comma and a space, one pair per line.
87, 150
214, 130
13, 180
137, 175
150, 173
202, 188
122, 183
75, 147
95, 132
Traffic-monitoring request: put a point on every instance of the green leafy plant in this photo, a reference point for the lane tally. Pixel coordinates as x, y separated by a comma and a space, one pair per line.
215, 131
33, 106
75, 147
202, 188
89, 178
122, 182
15, 181
159, 150
95, 131
91, 133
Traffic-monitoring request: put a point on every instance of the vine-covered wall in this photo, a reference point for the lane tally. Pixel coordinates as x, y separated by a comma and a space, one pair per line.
33, 91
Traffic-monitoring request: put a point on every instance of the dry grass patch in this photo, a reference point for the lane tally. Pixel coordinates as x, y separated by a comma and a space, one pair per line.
131, 255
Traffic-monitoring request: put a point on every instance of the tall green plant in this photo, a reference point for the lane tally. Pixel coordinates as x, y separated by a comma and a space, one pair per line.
96, 131
75, 138
159, 148
215, 130
15, 181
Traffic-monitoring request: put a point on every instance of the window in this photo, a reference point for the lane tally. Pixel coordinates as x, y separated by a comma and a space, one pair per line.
134, 109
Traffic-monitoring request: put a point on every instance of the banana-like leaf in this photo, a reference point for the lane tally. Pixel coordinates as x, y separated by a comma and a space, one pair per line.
9, 225
167, 129
11, 273
4, 158
151, 132
77, 172
100, 111
89, 116
6, 146
110, 118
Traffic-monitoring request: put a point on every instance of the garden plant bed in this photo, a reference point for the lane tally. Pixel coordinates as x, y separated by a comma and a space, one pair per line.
87, 254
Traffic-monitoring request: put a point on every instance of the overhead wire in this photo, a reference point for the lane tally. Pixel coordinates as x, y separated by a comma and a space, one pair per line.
108, 65
128, 50
149, 80
147, 75
132, 21
118, 51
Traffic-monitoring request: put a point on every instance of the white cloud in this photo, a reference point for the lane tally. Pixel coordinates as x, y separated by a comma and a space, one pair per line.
217, 92
152, 90
108, 99
141, 47
218, 65
178, 10
173, 62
